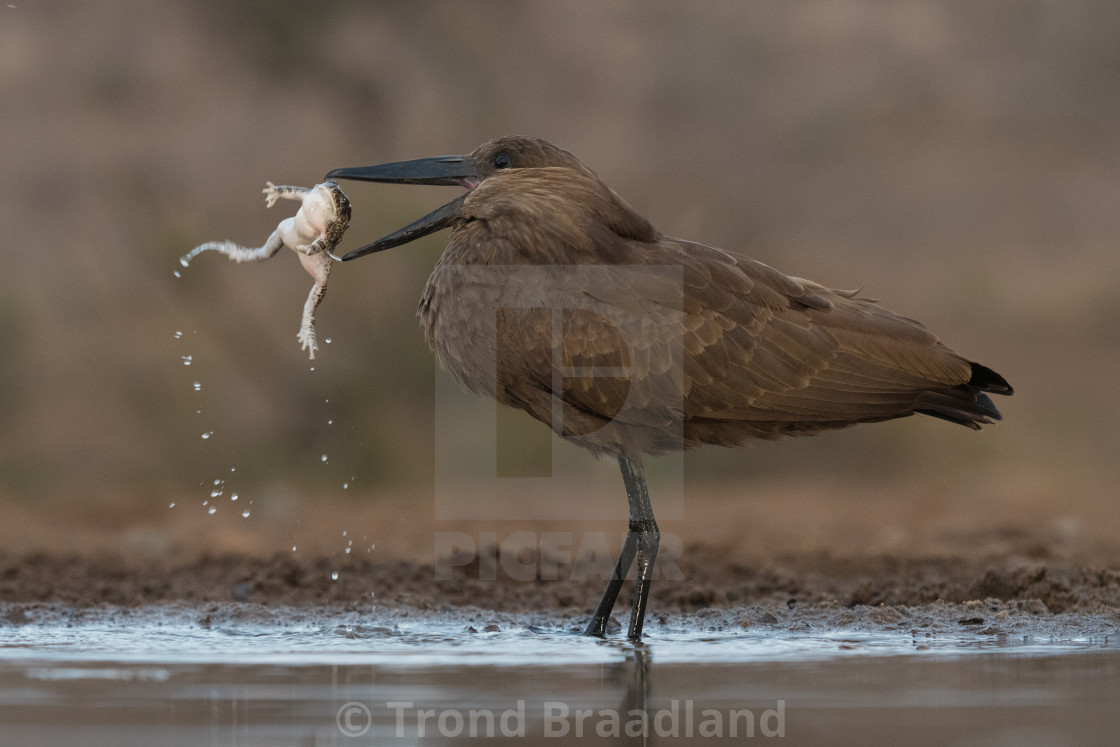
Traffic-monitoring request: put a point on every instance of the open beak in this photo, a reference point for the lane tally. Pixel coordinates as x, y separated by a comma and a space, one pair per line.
443, 170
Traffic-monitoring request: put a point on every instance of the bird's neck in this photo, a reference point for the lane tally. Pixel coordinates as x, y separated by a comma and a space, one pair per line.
548, 216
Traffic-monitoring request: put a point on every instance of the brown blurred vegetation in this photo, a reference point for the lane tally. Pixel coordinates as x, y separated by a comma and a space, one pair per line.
957, 160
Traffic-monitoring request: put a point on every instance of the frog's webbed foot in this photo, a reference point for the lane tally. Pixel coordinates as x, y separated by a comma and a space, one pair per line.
272, 193
307, 339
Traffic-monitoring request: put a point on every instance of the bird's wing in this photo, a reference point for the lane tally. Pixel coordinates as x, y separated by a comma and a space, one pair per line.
695, 333
793, 350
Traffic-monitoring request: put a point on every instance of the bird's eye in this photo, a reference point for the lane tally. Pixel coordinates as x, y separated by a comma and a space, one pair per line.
502, 161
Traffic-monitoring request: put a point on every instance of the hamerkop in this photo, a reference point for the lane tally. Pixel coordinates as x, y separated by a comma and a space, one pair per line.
554, 296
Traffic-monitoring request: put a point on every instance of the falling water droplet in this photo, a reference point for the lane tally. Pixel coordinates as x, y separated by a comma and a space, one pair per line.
178, 334
293, 548
330, 421
171, 505
324, 458
207, 434
245, 515
347, 550
198, 386
334, 576
212, 510
215, 493
345, 486
328, 341
233, 496
176, 273
186, 359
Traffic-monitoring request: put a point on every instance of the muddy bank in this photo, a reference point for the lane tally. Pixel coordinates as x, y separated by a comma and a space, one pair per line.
816, 590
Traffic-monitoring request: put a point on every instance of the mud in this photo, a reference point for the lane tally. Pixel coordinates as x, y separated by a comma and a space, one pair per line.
792, 593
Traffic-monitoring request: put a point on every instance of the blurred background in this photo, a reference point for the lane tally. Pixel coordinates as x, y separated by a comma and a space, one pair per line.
959, 161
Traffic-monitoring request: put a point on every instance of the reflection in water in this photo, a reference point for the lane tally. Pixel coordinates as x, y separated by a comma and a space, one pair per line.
406, 681
637, 693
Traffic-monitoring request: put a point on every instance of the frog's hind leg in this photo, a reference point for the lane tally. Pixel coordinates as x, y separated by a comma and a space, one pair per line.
328, 240
274, 192
306, 334
236, 252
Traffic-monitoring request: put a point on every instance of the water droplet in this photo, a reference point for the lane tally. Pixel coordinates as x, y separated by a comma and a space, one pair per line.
215, 493
212, 510
330, 422
293, 548
219, 481
184, 261
328, 341
324, 457
372, 594
171, 505
312, 368
178, 334
245, 515
198, 386
176, 273
207, 434
345, 486
233, 469
345, 532
373, 547
233, 496
334, 576
347, 550
186, 359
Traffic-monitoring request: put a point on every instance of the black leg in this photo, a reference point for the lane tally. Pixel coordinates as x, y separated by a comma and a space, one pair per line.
642, 540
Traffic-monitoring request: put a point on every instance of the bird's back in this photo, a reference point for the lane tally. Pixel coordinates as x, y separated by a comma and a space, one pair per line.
659, 344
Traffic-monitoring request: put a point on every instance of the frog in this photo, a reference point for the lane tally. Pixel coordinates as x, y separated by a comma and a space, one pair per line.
312, 233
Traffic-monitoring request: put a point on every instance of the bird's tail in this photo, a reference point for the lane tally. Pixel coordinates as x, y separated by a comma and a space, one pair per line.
967, 404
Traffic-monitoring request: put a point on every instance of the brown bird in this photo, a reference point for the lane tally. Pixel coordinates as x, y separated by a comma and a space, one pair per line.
554, 296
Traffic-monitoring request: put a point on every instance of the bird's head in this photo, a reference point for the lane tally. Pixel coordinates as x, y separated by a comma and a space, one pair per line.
493, 158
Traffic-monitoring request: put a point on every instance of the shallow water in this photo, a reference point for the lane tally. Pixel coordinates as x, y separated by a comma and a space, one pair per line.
159, 676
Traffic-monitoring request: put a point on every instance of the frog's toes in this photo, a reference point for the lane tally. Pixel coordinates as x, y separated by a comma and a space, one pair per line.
307, 341
271, 194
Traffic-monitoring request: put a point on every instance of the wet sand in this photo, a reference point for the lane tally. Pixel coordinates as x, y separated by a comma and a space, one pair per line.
819, 590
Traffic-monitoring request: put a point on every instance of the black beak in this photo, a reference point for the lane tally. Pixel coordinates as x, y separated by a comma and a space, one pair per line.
443, 170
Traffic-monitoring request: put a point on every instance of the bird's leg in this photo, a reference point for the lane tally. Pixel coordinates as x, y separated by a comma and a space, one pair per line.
642, 540
649, 537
